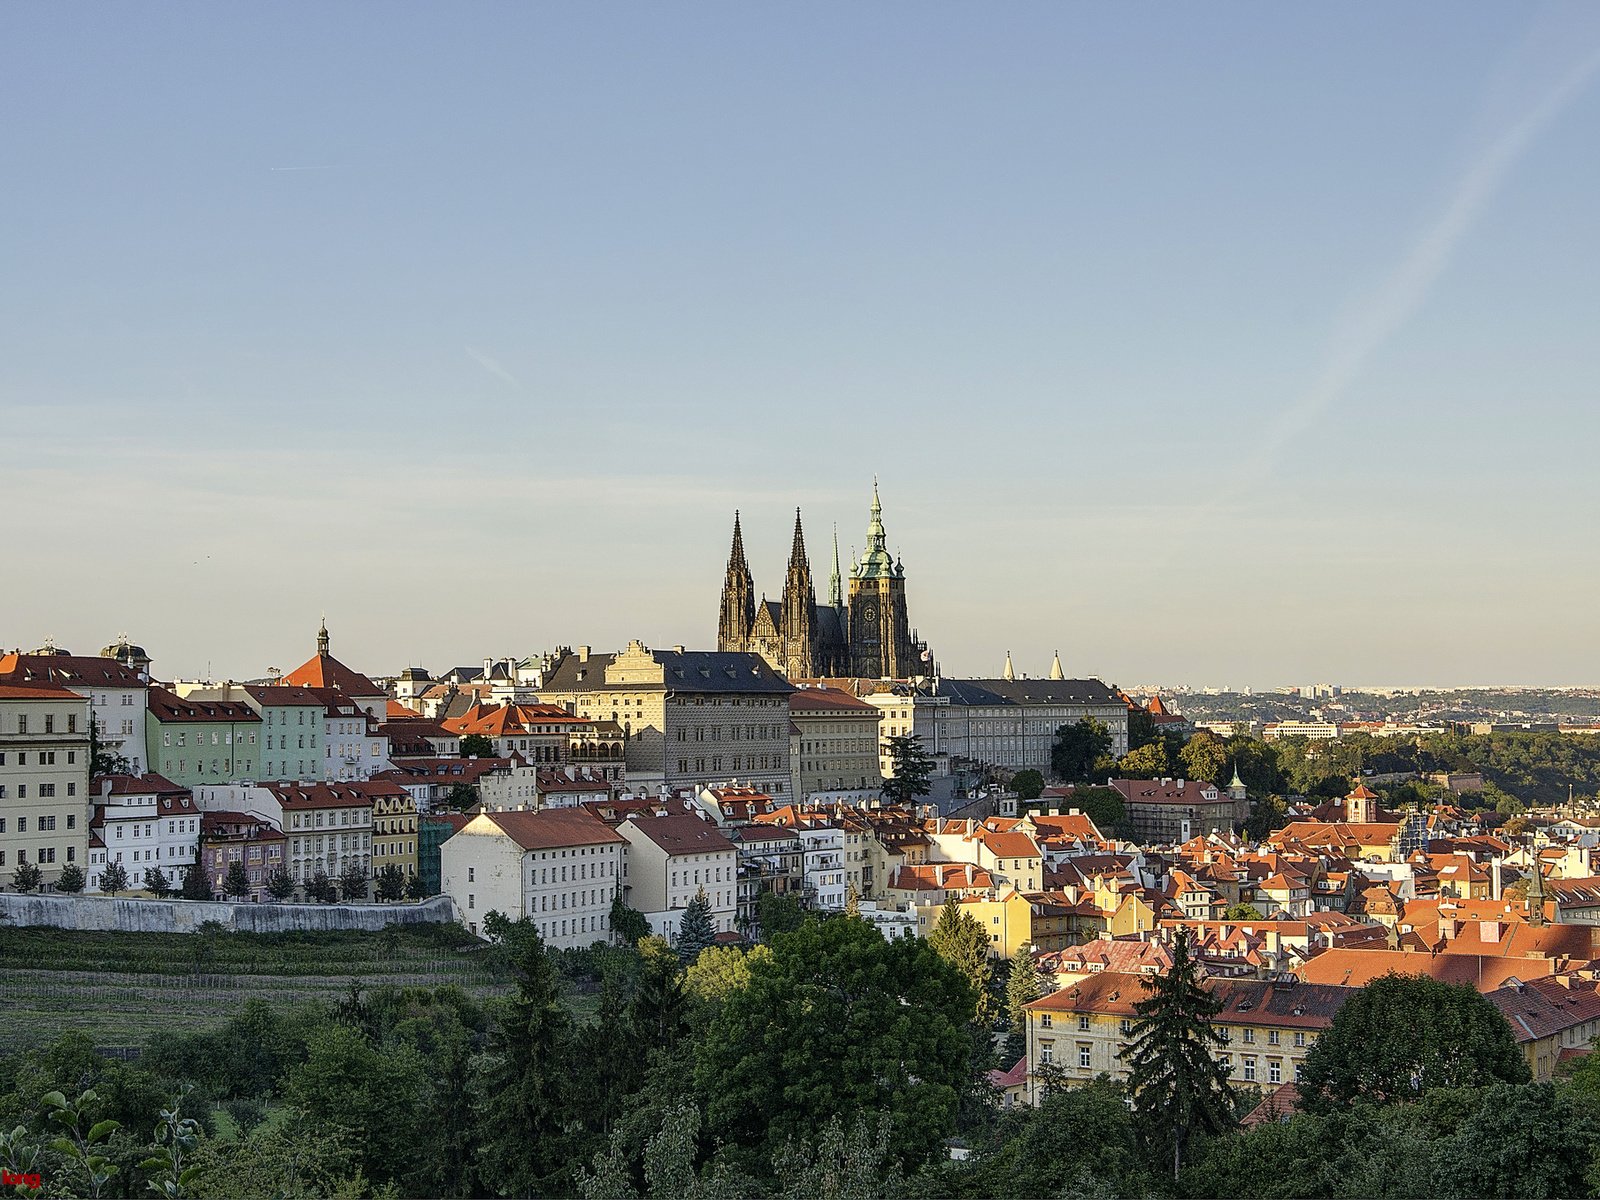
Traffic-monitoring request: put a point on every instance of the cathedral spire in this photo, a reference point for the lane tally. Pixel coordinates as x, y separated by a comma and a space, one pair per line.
738, 612
799, 594
1055, 667
876, 562
1008, 673
835, 584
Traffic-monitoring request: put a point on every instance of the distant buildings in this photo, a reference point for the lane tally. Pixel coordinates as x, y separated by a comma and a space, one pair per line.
44, 777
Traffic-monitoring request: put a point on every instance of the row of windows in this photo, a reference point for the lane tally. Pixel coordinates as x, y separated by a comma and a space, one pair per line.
200, 738
345, 843
218, 766
748, 762
1246, 1033
349, 817
44, 791
42, 758
44, 856
752, 733
45, 824
49, 723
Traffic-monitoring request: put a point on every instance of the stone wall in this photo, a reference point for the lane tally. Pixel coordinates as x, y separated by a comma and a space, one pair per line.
186, 916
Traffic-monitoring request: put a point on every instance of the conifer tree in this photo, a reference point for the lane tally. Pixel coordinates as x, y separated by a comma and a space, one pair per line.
27, 877
71, 879
1179, 1086
962, 943
1025, 985
280, 884
913, 768
157, 883
195, 886
696, 930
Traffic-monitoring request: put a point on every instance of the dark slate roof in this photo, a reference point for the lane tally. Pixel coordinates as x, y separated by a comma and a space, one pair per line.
690, 671
1027, 691
830, 625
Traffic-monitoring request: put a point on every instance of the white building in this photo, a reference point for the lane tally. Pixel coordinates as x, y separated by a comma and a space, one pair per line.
560, 868
143, 822
673, 856
824, 870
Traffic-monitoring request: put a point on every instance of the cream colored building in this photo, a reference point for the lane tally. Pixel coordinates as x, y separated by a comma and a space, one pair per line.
44, 779
670, 858
834, 753
560, 868
689, 717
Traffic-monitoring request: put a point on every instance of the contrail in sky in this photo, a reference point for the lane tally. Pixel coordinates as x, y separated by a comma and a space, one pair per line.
492, 366
1408, 285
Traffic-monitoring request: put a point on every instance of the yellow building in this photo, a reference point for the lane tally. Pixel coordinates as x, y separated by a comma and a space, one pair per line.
394, 832
1014, 920
1079, 1032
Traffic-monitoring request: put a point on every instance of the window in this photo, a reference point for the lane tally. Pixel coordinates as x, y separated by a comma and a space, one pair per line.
471, 900
1274, 1070
1047, 1053
1300, 1038
47, 824
1249, 1036
1272, 1037
1125, 1026
1250, 1068
472, 875
1083, 1022
1083, 1054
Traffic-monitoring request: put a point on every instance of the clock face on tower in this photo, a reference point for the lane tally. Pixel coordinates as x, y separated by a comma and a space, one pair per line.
869, 612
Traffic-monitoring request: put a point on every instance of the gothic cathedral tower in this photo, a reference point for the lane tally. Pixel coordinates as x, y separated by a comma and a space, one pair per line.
798, 621
881, 642
738, 614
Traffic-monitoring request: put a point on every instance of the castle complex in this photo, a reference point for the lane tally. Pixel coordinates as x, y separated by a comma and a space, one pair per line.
869, 637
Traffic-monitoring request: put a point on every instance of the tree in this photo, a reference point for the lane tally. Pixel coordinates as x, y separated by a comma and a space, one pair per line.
459, 798
1080, 1141
391, 882
476, 745
913, 769
1024, 985
71, 879
1105, 807
628, 925
236, 884
1027, 784
1243, 912
964, 944
1179, 1087
353, 881
1401, 1035
157, 883
696, 931
839, 1022
320, 887
416, 889
114, 879
195, 884
521, 1093
280, 884
777, 914
853, 1164
82, 1139
27, 877
1205, 757
103, 761
1149, 761
176, 1139
1079, 749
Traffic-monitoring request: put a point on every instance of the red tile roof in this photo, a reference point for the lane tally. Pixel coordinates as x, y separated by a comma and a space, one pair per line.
67, 670
326, 671
165, 706
554, 828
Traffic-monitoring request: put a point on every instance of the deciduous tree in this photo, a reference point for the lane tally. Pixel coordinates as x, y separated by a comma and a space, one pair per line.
1027, 784
391, 882
28, 878
280, 884
157, 883
236, 883
195, 884
71, 879
1079, 749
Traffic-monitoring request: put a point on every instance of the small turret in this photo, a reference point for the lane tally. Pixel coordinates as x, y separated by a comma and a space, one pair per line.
1009, 672
1055, 667
322, 637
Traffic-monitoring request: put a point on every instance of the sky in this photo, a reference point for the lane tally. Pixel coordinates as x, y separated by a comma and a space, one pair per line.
1215, 344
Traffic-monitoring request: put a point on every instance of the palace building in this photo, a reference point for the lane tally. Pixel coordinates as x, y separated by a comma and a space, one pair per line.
870, 636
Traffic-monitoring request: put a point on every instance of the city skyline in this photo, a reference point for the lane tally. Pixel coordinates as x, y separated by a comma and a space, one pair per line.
1222, 347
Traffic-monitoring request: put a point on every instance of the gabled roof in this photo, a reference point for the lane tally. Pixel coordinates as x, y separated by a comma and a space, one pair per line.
165, 706
825, 699
680, 833
335, 795
68, 670
553, 828
37, 691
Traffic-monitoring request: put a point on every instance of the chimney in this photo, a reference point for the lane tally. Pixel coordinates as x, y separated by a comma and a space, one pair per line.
1494, 879
583, 654
487, 664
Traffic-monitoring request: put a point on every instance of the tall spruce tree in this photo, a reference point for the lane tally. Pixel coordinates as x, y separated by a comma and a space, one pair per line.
195, 886
1179, 1086
696, 931
1023, 987
963, 943
236, 884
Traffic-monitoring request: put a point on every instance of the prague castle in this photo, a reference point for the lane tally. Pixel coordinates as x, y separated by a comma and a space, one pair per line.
869, 637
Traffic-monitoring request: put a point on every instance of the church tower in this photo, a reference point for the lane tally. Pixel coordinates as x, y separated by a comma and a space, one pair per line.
798, 619
738, 613
881, 645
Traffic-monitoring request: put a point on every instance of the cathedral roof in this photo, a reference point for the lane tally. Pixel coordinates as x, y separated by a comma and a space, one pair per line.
1027, 691
687, 671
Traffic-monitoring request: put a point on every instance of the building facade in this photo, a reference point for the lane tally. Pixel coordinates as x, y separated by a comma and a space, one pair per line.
689, 717
115, 691
44, 779
835, 745
671, 857
194, 742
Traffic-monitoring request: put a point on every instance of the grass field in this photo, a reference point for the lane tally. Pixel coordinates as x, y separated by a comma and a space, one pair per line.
121, 987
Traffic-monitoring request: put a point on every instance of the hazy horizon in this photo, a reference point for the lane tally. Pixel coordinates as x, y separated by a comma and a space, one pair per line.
1239, 346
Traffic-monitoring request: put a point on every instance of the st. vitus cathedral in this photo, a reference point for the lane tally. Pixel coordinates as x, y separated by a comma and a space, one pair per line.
870, 637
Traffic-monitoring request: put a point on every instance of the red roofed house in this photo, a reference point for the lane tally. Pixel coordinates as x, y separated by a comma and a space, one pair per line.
560, 868
236, 837
1174, 810
145, 822
323, 670
670, 858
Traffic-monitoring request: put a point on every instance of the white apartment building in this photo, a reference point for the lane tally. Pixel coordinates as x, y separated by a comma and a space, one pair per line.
825, 873
670, 858
116, 694
143, 821
560, 868
44, 779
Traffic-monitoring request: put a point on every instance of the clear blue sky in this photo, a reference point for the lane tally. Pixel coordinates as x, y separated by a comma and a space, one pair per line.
1224, 343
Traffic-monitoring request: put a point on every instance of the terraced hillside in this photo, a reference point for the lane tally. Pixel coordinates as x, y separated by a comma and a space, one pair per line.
121, 987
